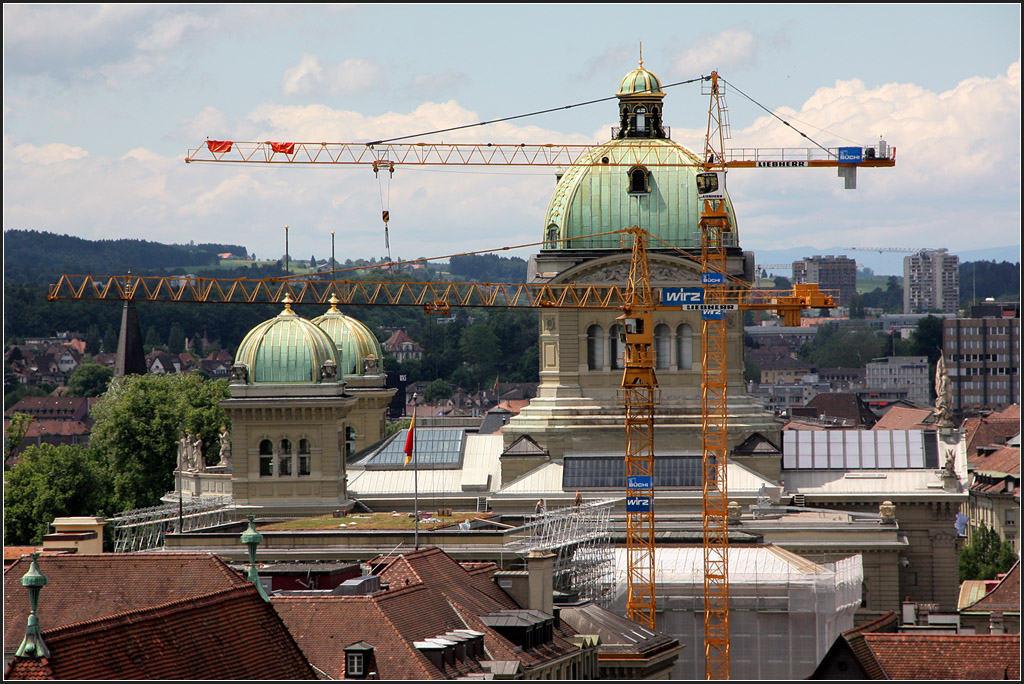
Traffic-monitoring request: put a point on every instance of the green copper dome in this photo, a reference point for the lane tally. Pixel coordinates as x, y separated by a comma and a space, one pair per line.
354, 341
287, 349
641, 178
640, 81
595, 196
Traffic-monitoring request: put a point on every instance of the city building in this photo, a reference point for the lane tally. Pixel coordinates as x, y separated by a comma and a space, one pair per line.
837, 273
577, 409
994, 492
908, 373
931, 282
983, 358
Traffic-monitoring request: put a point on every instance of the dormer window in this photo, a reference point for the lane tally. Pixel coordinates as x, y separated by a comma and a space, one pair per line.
354, 665
641, 118
639, 181
359, 660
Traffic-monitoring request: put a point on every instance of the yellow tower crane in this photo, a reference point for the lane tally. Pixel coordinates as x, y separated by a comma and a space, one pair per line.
637, 302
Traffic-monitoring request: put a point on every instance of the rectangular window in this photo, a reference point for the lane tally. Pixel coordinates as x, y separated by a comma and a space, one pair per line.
266, 466
284, 465
304, 464
354, 664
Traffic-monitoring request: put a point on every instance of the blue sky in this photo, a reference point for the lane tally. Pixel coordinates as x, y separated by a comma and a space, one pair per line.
101, 104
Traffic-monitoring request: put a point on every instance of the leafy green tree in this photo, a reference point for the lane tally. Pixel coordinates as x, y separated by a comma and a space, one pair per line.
437, 391
53, 481
176, 339
152, 338
90, 380
137, 424
92, 340
986, 556
847, 346
15, 433
480, 349
110, 340
857, 306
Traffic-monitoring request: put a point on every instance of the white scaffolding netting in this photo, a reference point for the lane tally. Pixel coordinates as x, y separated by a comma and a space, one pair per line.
579, 536
145, 528
784, 611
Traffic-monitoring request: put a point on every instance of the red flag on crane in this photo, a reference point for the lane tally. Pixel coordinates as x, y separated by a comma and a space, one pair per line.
282, 148
219, 146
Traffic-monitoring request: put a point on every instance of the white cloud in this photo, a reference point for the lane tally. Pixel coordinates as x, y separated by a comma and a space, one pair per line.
726, 51
956, 183
313, 77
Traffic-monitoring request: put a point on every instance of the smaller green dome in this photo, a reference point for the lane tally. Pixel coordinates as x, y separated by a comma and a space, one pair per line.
288, 349
640, 81
355, 342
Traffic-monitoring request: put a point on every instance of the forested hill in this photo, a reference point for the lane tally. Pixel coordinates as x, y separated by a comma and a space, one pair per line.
35, 257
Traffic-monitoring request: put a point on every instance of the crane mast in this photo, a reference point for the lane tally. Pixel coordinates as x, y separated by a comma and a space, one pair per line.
715, 228
639, 385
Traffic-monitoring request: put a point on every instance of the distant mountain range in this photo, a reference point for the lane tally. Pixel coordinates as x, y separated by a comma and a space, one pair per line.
888, 263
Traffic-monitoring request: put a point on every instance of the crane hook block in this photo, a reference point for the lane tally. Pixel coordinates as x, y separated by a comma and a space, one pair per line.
386, 215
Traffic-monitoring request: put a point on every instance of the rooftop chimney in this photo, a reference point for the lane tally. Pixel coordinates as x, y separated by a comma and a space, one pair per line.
541, 568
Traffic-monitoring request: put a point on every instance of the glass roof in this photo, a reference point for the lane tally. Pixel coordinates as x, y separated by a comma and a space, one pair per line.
434, 448
610, 471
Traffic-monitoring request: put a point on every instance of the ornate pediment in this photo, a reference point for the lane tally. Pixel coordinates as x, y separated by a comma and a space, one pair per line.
665, 271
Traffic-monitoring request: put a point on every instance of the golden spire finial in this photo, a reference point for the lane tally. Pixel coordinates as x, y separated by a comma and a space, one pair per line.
287, 301
641, 54
333, 301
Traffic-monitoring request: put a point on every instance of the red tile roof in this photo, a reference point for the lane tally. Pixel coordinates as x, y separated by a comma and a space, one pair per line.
988, 431
89, 586
904, 418
1005, 461
941, 656
229, 634
1005, 597
430, 595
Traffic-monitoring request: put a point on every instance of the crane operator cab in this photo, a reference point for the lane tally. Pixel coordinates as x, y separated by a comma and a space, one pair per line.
637, 336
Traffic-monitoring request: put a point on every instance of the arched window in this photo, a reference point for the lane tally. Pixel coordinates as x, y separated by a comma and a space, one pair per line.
639, 180
595, 347
617, 345
552, 233
662, 346
284, 462
684, 346
266, 458
304, 457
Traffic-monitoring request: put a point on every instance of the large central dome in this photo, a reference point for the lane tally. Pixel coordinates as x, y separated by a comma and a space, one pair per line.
641, 178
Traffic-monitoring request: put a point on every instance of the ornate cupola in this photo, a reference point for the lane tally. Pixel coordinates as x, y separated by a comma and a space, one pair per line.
640, 97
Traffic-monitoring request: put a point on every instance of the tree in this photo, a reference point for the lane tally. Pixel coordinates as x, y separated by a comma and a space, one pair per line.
137, 425
176, 339
110, 340
848, 346
15, 433
52, 481
92, 340
986, 556
437, 391
89, 380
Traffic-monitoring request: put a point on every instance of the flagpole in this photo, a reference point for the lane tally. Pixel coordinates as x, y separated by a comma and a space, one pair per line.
410, 448
415, 477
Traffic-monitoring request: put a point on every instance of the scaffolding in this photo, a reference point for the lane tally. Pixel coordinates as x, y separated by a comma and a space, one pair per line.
142, 529
580, 538
785, 611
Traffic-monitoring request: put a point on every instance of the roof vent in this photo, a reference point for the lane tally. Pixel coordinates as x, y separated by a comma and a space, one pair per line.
360, 586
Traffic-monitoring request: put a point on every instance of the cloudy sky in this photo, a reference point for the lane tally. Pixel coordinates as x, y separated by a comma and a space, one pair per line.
102, 103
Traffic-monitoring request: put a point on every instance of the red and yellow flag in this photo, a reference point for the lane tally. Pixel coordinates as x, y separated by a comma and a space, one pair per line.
409, 439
